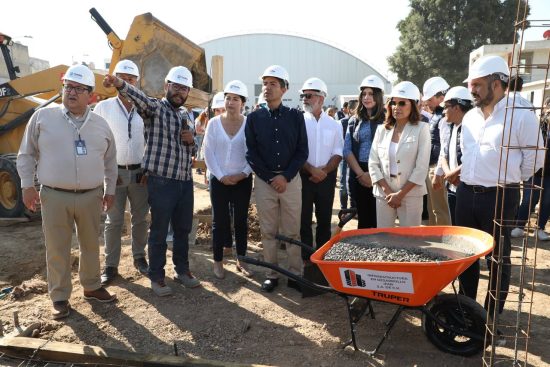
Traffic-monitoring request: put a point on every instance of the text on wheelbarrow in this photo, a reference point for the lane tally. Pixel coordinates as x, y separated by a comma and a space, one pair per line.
401, 282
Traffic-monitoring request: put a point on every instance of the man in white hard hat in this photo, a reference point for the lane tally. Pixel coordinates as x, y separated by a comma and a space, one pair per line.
325, 145
477, 196
458, 101
277, 145
438, 207
169, 148
127, 126
73, 152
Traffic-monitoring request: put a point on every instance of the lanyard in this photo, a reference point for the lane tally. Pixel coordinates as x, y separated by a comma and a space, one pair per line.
70, 120
130, 116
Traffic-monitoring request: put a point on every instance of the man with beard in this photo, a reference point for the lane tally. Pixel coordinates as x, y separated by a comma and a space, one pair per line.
169, 148
276, 140
325, 145
483, 130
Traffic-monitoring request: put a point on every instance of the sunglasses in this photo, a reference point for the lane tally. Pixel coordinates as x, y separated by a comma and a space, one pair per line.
309, 95
400, 103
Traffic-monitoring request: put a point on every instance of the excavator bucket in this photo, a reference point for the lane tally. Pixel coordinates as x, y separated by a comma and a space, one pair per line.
155, 48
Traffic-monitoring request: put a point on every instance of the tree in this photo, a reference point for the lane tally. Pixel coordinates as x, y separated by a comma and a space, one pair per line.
438, 35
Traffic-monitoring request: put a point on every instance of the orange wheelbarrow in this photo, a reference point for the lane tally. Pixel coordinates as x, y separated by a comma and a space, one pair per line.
452, 322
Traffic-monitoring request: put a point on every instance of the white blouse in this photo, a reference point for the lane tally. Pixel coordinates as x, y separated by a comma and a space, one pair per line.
225, 155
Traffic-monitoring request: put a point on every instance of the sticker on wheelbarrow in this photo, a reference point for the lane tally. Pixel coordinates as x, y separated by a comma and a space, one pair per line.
392, 281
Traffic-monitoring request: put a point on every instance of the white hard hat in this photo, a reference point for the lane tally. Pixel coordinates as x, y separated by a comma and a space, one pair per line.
460, 94
433, 86
406, 90
236, 87
126, 67
488, 65
80, 74
180, 75
276, 71
372, 81
315, 84
218, 101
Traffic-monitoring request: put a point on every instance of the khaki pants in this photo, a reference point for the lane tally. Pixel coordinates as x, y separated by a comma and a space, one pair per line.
60, 212
438, 204
280, 213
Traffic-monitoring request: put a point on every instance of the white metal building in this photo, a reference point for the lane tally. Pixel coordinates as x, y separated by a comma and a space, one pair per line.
246, 56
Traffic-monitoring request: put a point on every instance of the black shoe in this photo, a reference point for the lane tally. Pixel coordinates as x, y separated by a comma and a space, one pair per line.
141, 264
291, 283
269, 285
108, 275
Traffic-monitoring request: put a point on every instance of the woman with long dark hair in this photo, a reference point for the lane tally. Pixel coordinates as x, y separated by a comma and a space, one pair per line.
357, 145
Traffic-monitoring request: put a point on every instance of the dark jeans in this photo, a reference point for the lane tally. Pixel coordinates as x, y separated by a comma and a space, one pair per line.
365, 201
451, 198
224, 198
544, 210
343, 167
477, 210
170, 201
320, 195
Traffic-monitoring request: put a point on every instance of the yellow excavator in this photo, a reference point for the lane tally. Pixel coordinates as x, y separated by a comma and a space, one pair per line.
151, 44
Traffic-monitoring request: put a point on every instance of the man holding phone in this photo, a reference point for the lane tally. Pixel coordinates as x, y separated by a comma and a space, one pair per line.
127, 126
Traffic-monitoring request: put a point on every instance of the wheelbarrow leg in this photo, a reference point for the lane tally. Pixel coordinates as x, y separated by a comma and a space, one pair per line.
352, 324
390, 326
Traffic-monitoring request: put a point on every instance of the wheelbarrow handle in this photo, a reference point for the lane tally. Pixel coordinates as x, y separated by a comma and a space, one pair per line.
297, 278
308, 248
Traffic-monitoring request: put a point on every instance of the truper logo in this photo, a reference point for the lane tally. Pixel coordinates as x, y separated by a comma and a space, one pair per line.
353, 279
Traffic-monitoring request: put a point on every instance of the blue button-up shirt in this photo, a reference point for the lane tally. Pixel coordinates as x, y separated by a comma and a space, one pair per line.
277, 142
365, 136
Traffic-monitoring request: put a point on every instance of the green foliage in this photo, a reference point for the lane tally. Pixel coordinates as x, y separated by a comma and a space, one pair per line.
438, 35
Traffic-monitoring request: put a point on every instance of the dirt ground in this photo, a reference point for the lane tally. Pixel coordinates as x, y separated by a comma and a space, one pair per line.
231, 320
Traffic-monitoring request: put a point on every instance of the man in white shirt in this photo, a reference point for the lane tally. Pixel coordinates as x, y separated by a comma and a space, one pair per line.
477, 196
127, 126
325, 144
458, 101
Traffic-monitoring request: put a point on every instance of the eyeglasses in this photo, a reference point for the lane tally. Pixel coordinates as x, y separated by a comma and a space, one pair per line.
309, 95
400, 103
179, 87
78, 90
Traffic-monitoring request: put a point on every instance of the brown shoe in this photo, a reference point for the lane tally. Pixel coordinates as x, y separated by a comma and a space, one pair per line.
60, 309
100, 295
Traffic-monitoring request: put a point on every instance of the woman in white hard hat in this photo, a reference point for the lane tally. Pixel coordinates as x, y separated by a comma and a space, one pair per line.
230, 176
399, 160
357, 145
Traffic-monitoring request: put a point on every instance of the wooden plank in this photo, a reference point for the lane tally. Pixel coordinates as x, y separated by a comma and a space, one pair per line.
20, 347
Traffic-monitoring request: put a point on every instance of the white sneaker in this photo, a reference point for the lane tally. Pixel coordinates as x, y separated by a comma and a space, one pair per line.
517, 232
543, 236
160, 288
187, 279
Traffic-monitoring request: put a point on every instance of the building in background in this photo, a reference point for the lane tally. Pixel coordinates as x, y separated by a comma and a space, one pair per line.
20, 57
246, 56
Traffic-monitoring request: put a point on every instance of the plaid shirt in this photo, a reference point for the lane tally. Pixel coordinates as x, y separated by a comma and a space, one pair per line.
165, 153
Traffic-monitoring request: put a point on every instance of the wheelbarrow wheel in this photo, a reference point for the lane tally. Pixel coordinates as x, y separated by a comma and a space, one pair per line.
461, 313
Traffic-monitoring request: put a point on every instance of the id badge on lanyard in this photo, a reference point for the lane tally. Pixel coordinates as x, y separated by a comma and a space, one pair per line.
80, 144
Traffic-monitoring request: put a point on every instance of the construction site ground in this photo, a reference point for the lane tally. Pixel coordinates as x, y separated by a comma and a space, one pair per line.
231, 320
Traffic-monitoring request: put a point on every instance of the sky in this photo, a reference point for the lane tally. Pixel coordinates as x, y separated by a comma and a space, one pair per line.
62, 31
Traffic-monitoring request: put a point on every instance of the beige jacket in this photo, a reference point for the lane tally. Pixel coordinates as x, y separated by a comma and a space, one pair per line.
413, 158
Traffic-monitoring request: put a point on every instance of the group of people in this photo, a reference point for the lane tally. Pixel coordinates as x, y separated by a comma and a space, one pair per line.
140, 148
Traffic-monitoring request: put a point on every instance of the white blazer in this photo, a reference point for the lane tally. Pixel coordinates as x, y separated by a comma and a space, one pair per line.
412, 156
